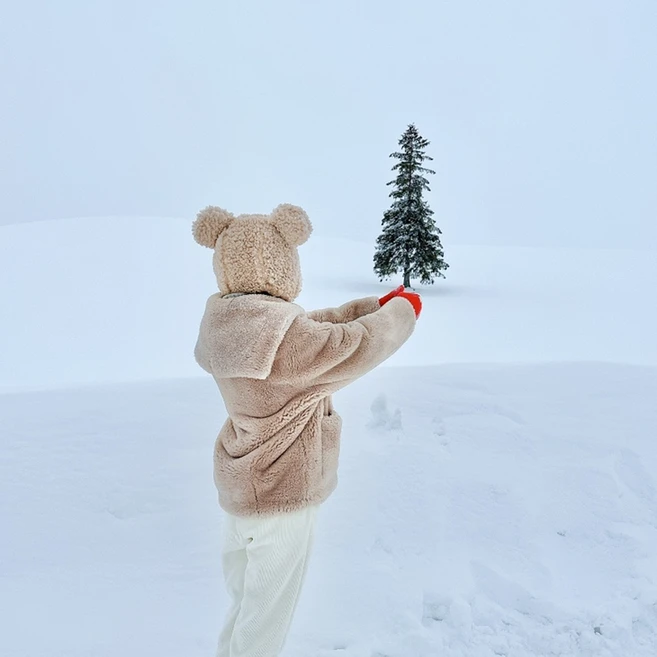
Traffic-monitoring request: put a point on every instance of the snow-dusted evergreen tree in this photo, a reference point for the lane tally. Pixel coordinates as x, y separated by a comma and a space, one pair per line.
410, 240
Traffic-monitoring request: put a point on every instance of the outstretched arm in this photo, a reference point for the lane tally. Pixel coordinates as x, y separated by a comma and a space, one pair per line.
348, 312
333, 355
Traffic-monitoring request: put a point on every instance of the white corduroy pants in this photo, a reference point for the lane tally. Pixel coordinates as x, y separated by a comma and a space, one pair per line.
265, 560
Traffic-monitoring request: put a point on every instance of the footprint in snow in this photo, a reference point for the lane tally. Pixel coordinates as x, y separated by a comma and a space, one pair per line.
439, 432
435, 609
509, 594
381, 416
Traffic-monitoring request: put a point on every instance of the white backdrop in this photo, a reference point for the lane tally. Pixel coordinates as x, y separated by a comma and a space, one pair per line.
542, 115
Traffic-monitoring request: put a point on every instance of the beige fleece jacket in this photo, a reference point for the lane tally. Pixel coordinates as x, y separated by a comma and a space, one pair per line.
277, 367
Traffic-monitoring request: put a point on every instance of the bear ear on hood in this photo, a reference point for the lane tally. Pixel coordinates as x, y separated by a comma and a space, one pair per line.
292, 223
210, 223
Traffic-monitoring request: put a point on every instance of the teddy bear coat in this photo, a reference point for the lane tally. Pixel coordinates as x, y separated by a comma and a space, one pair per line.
277, 367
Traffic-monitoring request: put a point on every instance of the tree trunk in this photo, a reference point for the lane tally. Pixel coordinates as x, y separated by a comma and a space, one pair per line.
407, 278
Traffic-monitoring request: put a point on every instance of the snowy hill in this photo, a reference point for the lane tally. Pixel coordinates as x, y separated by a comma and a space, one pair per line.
501, 509
103, 300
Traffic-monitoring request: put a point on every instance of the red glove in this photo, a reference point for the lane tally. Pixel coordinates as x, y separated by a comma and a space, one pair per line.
391, 295
414, 300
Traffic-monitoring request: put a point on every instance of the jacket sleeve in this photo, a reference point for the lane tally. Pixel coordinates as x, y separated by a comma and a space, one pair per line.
348, 312
333, 355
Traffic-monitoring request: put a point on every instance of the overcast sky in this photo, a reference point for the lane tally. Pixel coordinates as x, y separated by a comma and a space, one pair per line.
542, 114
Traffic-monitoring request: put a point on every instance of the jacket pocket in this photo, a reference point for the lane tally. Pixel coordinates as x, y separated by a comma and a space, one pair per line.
331, 430
328, 407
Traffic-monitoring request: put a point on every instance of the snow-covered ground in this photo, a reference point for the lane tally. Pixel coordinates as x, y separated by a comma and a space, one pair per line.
502, 504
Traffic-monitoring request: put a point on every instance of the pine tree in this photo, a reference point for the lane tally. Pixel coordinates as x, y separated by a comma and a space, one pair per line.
410, 240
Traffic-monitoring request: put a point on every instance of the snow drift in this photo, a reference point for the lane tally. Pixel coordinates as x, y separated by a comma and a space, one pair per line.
481, 511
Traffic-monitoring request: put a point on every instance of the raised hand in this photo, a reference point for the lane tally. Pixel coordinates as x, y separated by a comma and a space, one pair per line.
391, 295
414, 299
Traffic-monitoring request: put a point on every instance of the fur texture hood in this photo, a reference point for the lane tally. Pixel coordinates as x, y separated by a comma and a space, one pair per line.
242, 335
255, 252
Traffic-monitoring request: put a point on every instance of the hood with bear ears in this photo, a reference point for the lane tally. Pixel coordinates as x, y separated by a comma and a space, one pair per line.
255, 253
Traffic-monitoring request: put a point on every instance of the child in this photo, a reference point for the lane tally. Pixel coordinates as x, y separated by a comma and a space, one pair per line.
276, 457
